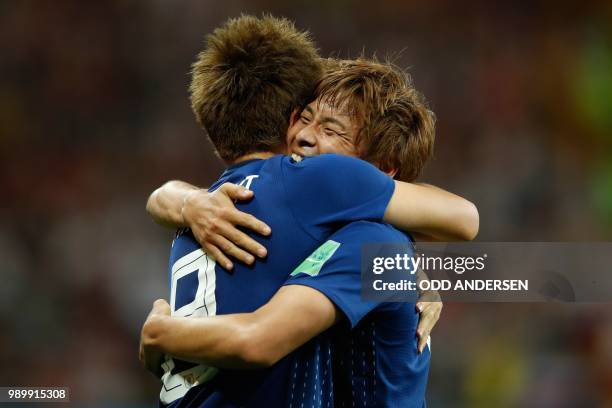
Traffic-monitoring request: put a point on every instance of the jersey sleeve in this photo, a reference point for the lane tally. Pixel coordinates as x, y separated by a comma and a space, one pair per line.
334, 269
332, 190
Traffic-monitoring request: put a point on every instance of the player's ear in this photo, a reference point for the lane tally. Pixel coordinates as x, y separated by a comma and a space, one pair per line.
388, 169
391, 173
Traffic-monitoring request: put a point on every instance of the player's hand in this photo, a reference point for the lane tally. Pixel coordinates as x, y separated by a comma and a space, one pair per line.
213, 219
152, 359
429, 315
160, 308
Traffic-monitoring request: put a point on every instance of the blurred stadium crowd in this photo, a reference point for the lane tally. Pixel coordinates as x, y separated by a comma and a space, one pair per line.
94, 115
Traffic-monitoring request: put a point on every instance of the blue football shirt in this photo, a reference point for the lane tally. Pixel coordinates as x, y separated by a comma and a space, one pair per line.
374, 358
304, 203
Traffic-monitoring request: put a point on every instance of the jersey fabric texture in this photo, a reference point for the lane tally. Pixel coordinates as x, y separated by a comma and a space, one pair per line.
304, 203
373, 357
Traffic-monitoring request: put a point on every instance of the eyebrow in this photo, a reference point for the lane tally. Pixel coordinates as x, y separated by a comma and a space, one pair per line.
327, 119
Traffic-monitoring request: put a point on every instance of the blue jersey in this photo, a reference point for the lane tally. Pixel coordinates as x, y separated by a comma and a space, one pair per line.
304, 203
374, 356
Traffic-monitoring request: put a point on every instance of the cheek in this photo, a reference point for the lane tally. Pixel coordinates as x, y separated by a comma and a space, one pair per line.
326, 146
293, 131
337, 146
351, 150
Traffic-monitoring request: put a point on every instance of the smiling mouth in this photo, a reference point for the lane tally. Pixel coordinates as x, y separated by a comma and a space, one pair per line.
303, 152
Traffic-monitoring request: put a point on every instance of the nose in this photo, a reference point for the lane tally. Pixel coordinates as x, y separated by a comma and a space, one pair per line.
307, 141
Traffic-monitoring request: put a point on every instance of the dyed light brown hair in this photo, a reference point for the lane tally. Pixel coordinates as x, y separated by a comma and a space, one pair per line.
397, 128
251, 75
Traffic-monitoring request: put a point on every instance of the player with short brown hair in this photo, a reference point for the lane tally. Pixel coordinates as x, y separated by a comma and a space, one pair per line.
396, 128
252, 74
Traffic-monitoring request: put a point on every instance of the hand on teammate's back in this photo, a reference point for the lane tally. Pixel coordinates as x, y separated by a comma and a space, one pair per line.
213, 219
429, 313
429, 306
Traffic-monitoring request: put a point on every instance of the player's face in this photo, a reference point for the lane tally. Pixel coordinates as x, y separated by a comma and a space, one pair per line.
322, 128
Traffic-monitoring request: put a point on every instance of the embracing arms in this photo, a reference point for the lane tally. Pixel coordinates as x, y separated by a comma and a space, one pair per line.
248, 340
431, 213
245, 340
165, 205
212, 217
428, 212
294, 315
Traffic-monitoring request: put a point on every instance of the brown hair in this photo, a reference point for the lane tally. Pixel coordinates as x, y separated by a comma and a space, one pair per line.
397, 128
245, 84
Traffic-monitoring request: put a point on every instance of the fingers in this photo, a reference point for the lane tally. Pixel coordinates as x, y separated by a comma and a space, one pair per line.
222, 232
218, 256
423, 330
423, 337
236, 192
430, 313
247, 220
230, 249
160, 303
236, 217
423, 343
242, 240
214, 221
161, 306
221, 248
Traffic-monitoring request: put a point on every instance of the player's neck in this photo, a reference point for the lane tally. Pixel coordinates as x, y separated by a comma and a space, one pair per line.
253, 156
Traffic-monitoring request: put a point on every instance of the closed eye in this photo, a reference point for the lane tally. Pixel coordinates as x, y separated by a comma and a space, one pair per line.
332, 132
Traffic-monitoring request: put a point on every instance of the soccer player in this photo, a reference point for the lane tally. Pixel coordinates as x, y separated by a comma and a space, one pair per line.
274, 331
246, 126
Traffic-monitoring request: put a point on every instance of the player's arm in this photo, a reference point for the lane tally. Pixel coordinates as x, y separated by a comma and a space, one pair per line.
432, 213
212, 217
259, 339
348, 189
426, 211
165, 205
